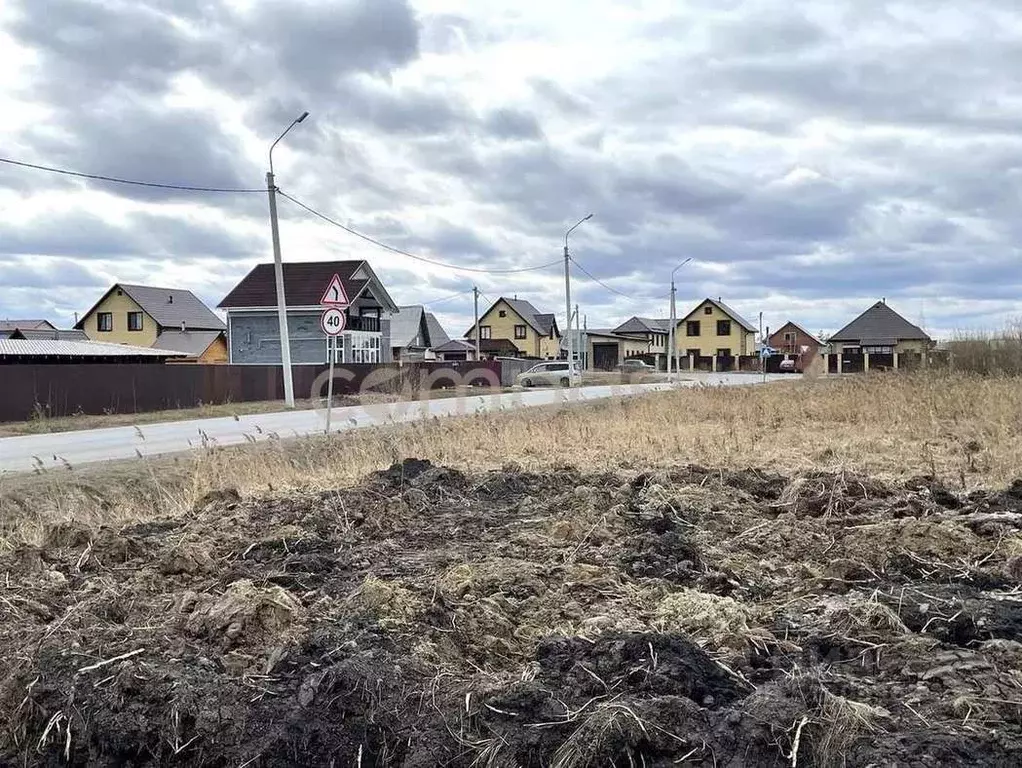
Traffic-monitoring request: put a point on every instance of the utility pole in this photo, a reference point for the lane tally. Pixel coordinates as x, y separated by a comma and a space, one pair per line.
582, 348
672, 358
278, 268
762, 347
567, 290
475, 298
670, 352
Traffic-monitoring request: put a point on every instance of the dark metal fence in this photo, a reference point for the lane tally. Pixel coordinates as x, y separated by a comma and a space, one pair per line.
62, 390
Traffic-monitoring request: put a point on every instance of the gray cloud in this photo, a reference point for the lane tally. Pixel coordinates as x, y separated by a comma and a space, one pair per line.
897, 119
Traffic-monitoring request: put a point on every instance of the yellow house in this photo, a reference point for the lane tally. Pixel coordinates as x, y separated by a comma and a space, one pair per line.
715, 330
141, 315
515, 328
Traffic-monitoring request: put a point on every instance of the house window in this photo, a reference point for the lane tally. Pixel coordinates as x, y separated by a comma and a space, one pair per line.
789, 336
692, 328
723, 327
104, 321
724, 352
485, 332
880, 349
519, 331
707, 310
134, 321
369, 312
502, 313
693, 352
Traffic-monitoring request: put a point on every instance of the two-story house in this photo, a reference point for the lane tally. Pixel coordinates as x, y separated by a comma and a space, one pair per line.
515, 327
654, 331
172, 319
253, 329
716, 331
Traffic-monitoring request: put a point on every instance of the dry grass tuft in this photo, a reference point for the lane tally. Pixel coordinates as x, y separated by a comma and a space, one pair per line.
841, 722
711, 620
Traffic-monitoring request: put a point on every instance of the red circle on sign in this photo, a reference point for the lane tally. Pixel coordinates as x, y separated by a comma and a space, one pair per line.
332, 321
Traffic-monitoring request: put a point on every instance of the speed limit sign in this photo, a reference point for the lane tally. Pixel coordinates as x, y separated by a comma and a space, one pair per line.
332, 321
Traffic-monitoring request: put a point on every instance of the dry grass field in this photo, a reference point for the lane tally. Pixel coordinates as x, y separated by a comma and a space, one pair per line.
811, 573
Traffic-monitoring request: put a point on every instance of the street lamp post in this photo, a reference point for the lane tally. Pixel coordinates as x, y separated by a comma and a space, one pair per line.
567, 295
278, 267
672, 357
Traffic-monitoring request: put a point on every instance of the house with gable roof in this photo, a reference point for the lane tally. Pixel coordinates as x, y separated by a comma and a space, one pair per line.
170, 319
514, 327
253, 329
415, 334
879, 337
714, 330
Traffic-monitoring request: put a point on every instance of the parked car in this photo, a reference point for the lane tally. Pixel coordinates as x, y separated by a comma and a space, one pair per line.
552, 374
788, 366
635, 365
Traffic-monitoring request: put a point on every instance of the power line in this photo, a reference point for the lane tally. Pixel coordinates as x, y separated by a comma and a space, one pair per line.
598, 280
445, 298
401, 252
115, 180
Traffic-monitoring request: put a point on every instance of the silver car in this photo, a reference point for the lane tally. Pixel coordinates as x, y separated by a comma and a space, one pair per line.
635, 365
552, 374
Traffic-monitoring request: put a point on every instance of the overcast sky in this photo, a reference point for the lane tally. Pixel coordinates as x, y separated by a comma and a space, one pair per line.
810, 157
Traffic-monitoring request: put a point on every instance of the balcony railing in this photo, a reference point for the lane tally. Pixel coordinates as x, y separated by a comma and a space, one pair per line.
359, 323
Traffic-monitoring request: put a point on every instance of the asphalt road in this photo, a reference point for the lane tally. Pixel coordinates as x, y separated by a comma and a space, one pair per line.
60, 449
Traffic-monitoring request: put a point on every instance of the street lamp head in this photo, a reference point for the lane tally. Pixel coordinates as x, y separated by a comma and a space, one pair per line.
588, 217
293, 124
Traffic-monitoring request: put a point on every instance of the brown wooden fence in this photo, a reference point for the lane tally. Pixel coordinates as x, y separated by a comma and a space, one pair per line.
62, 390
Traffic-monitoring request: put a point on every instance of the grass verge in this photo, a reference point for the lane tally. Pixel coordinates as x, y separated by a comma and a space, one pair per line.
964, 430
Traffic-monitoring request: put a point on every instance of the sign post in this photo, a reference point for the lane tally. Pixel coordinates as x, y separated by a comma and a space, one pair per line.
332, 321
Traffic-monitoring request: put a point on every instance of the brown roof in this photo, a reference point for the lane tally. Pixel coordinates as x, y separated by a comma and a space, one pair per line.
304, 284
797, 327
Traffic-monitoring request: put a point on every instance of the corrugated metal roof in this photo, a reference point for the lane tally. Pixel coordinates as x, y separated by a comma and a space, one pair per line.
25, 325
192, 343
51, 348
45, 334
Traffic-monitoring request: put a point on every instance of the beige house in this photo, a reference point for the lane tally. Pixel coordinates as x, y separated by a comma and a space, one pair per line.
140, 314
716, 331
607, 349
654, 331
514, 327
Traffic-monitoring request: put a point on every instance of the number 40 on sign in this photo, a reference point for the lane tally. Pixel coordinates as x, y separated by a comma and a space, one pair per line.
332, 321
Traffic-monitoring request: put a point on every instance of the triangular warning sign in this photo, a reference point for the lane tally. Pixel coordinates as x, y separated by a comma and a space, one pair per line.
335, 295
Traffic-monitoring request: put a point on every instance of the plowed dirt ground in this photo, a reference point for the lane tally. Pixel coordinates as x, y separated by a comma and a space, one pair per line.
507, 618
